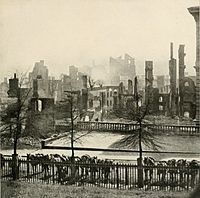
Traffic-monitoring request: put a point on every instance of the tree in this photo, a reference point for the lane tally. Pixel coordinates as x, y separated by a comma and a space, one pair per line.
14, 117
140, 136
72, 100
74, 113
73, 117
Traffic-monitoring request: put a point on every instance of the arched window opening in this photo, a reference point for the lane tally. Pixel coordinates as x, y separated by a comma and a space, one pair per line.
186, 114
186, 84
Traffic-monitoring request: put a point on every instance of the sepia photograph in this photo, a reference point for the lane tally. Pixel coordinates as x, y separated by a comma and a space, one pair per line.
100, 98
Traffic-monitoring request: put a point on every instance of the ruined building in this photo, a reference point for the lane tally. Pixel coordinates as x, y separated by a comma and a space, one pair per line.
187, 95
180, 100
151, 94
121, 70
39, 70
182, 96
40, 74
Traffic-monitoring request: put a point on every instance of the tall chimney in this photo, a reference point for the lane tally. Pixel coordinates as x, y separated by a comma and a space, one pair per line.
171, 50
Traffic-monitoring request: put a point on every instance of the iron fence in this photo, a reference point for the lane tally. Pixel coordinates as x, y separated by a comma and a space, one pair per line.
113, 176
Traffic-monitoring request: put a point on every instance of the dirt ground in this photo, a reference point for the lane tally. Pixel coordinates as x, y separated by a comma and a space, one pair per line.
11, 189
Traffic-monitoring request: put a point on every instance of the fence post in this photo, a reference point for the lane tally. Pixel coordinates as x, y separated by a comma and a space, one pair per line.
42, 144
117, 172
53, 173
28, 169
126, 175
188, 178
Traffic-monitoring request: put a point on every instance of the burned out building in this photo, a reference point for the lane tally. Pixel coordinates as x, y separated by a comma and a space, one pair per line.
110, 99
187, 93
151, 94
121, 70
180, 99
41, 75
103, 98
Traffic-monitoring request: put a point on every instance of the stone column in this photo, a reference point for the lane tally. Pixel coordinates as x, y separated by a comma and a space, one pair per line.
194, 11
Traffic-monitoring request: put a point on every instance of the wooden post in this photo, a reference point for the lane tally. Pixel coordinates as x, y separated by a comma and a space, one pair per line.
53, 172
28, 168
126, 175
117, 172
42, 144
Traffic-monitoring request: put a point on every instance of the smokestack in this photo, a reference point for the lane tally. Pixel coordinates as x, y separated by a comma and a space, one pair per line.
171, 50
15, 76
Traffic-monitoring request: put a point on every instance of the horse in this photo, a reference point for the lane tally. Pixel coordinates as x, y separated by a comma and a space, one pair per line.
106, 168
37, 160
193, 171
93, 168
148, 170
172, 169
182, 166
162, 170
85, 160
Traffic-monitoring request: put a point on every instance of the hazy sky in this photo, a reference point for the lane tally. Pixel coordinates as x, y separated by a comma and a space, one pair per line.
75, 32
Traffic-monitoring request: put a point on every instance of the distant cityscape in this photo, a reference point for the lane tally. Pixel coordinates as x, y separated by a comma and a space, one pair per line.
172, 94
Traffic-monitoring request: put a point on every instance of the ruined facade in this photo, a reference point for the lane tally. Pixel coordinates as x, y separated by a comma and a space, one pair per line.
187, 98
41, 75
121, 70
187, 95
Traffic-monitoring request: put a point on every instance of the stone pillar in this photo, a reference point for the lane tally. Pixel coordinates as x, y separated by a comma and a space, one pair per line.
194, 11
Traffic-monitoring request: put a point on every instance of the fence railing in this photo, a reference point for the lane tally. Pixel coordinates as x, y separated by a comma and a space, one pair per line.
115, 176
125, 127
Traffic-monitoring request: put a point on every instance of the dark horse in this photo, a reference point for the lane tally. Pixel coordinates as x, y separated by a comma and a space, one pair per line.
149, 162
